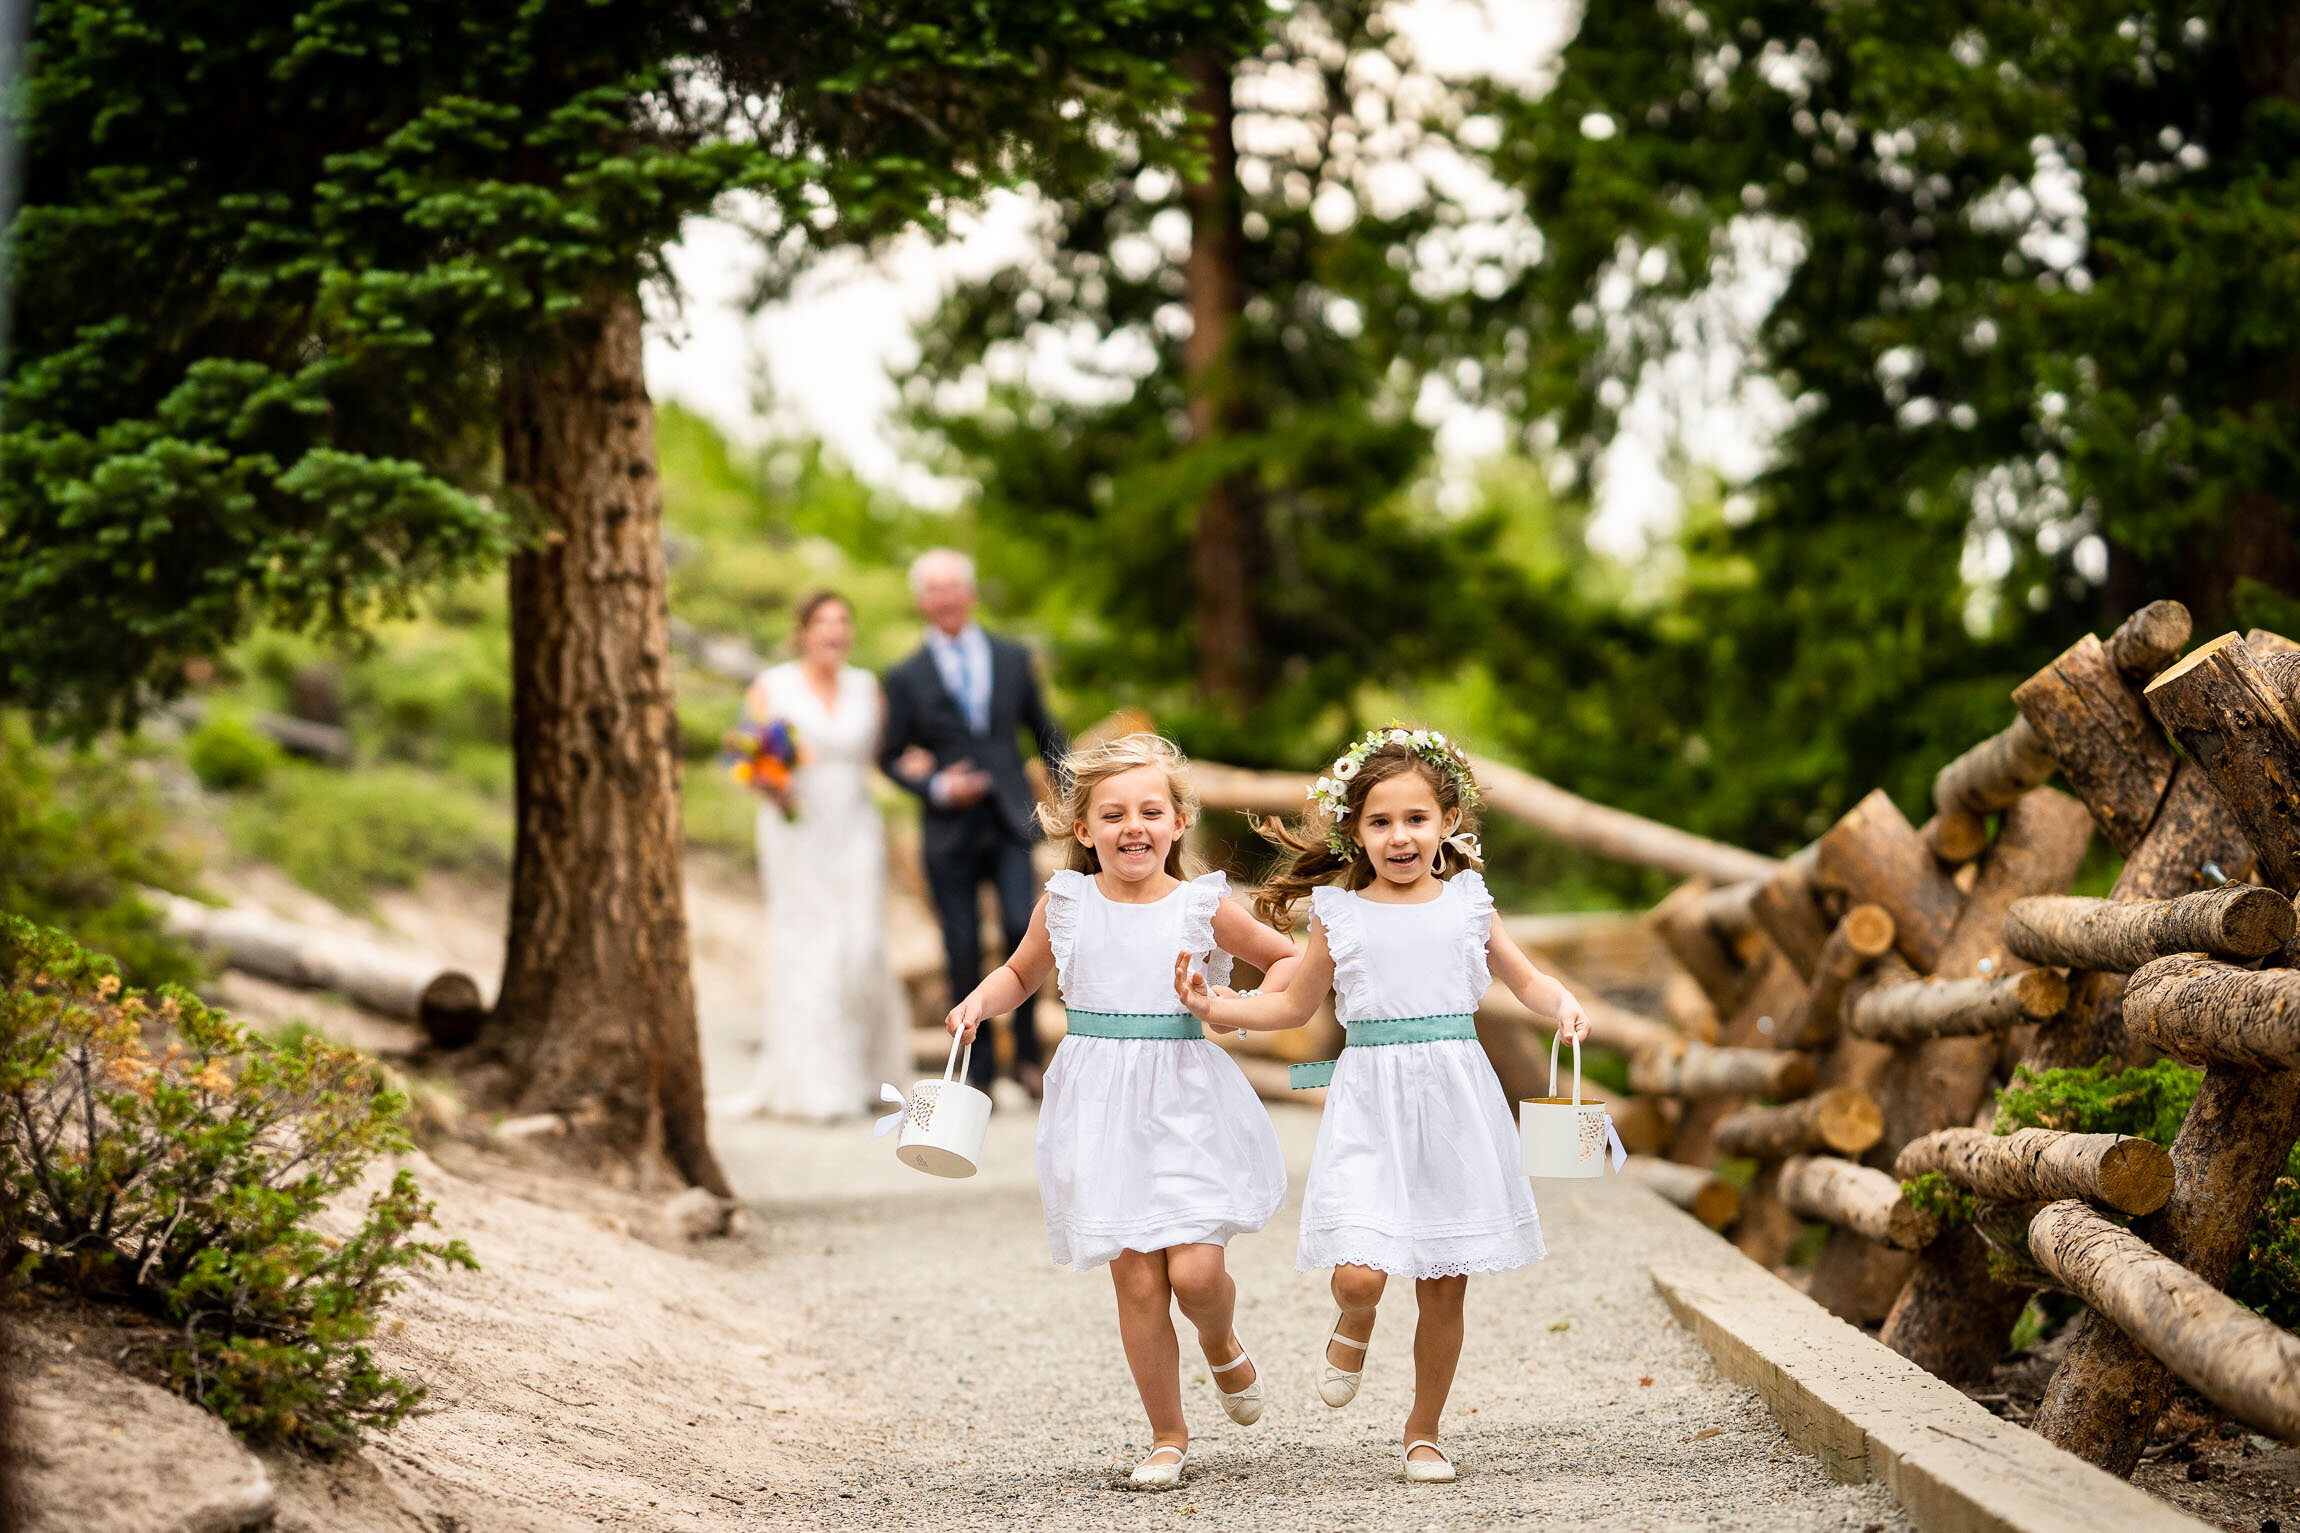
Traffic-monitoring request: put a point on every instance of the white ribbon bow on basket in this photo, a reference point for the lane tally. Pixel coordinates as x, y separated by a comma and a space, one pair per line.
887, 1092
1614, 1146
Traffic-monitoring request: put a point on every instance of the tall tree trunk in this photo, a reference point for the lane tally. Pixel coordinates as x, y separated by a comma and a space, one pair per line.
1226, 561
597, 1015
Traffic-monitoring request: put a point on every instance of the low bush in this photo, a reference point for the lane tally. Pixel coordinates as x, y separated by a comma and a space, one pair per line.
227, 755
345, 834
156, 1155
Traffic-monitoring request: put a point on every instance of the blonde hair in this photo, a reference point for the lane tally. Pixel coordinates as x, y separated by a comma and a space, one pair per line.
1310, 856
1089, 765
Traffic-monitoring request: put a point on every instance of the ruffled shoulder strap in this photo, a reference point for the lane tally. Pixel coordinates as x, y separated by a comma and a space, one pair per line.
1477, 926
1064, 891
1200, 899
1338, 912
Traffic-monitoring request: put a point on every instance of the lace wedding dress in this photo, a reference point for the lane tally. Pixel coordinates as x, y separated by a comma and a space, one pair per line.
834, 1025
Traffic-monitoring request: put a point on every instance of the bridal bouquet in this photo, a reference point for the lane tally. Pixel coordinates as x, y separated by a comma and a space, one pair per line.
763, 756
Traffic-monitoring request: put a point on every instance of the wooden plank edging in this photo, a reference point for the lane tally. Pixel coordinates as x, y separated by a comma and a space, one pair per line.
1870, 1414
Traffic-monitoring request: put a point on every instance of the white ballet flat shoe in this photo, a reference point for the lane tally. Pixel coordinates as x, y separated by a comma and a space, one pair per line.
1423, 1471
1154, 1473
1339, 1386
1245, 1406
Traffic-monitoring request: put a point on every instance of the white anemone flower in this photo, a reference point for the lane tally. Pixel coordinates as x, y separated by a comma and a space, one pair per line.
1400, 737
1345, 769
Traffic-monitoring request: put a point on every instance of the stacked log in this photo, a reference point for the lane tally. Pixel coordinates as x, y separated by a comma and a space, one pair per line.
2129, 1174
1704, 1194
1857, 1198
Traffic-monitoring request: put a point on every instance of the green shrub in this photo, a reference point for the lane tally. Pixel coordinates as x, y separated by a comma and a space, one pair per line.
186, 1184
228, 755
79, 834
344, 835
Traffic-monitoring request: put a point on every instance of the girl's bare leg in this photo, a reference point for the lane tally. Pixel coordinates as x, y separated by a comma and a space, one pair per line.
1358, 1290
1209, 1299
1146, 1327
1437, 1352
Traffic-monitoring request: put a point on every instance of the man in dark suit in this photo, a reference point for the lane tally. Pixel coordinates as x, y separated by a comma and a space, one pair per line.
962, 700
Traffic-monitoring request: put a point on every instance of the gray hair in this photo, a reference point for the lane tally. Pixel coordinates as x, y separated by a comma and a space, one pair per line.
924, 565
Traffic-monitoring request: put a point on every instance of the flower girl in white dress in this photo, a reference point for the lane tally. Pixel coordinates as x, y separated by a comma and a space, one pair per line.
1152, 1148
1416, 1170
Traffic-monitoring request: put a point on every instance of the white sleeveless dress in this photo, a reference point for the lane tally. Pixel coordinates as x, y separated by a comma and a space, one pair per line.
834, 1025
1416, 1171
1145, 1143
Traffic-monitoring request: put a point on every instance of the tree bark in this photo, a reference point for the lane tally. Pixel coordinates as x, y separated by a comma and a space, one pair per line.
2103, 1400
596, 1020
2243, 729
1766, 1231
1858, 1198
2150, 639
1843, 1119
1952, 1318
1859, 940
1697, 1070
2108, 747
1227, 556
1785, 905
2235, 921
2207, 1012
1685, 929
1957, 1008
2248, 1366
1701, 1192
2037, 1165
1876, 858
1995, 773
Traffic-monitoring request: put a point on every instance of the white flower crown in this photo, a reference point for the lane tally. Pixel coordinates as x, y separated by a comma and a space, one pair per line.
1331, 792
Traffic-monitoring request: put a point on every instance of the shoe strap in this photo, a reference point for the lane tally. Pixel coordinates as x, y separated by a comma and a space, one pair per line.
1423, 1442
1348, 1341
1181, 1455
1240, 1361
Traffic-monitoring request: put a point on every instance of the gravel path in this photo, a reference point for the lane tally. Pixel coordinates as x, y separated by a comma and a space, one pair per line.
984, 1386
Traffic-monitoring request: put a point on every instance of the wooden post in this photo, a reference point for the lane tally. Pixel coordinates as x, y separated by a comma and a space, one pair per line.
1858, 1198
1698, 1070
2108, 748
1699, 1191
2236, 921
1860, 939
2209, 1012
1844, 1119
2248, 1366
2032, 1165
2103, 1400
1957, 1008
1876, 858
2235, 722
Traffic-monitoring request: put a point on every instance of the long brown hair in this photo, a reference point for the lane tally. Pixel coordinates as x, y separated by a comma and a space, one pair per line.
1089, 765
1313, 859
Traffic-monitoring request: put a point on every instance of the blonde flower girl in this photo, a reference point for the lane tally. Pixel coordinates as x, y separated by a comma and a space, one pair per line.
1152, 1148
1416, 1169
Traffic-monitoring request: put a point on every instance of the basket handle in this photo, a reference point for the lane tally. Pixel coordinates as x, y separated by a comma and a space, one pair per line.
957, 1066
1554, 1039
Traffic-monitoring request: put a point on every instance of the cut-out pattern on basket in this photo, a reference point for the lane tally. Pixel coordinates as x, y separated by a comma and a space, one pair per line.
922, 1105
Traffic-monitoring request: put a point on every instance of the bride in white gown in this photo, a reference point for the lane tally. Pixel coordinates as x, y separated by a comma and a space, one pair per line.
834, 1026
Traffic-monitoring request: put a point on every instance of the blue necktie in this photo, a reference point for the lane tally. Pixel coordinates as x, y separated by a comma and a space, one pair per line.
977, 704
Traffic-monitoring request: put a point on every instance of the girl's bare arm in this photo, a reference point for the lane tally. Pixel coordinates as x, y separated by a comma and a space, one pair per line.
1011, 983
1241, 936
1271, 1011
1541, 993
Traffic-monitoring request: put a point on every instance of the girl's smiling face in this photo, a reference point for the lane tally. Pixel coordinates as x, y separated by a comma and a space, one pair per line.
1401, 827
1131, 823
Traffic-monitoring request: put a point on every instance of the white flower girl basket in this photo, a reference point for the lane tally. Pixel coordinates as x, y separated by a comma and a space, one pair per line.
942, 1123
1562, 1137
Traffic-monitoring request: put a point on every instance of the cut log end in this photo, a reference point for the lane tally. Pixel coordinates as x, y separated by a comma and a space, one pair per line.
1868, 930
2136, 1176
2041, 993
1955, 836
2149, 640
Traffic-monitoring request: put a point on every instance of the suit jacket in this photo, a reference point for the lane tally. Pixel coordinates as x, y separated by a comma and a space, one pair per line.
921, 711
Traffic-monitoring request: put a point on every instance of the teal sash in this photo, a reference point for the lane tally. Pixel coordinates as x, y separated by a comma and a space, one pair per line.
1110, 1024
1379, 1032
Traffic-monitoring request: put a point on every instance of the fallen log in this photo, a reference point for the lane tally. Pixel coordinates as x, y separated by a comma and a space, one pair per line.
2208, 1012
2248, 1366
445, 1002
1699, 1070
1995, 773
1787, 907
2103, 1400
1844, 1119
1774, 992
1608, 832
2150, 639
1957, 1008
1702, 1193
2110, 750
1859, 940
2036, 1165
1855, 1197
2236, 722
1876, 858
2235, 921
